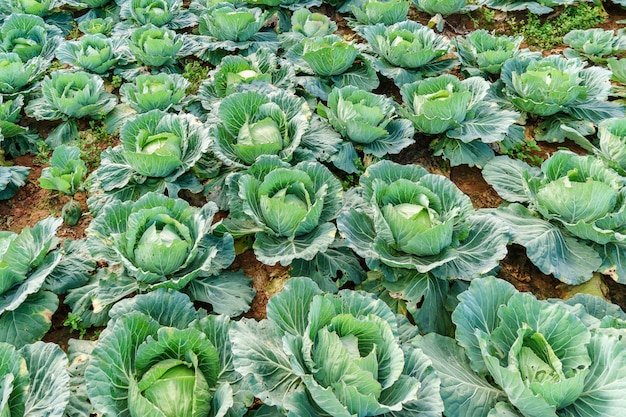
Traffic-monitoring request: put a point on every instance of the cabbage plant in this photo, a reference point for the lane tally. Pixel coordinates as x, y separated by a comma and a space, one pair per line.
160, 13
155, 92
569, 215
159, 357
157, 47
225, 28
482, 53
330, 61
289, 209
18, 77
34, 378
251, 124
517, 356
96, 25
535, 7
596, 45
156, 153
26, 260
570, 98
420, 230
39, 8
68, 96
344, 355
234, 72
464, 113
368, 121
443, 8
94, 53
11, 178
408, 51
29, 37
65, 175
612, 143
305, 24
372, 12
159, 242
16, 140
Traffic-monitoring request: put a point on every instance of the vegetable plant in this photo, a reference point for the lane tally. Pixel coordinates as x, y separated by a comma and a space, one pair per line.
224, 28
289, 209
160, 13
569, 215
408, 51
251, 124
29, 37
372, 12
156, 153
305, 24
157, 47
17, 140
482, 53
155, 92
35, 378
570, 98
11, 178
236, 71
595, 45
26, 260
68, 96
94, 53
368, 121
420, 230
65, 175
159, 242
444, 8
320, 354
464, 113
517, 356
159, 356
329, 61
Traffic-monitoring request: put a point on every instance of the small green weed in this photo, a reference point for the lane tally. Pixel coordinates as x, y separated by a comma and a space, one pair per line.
75, 323
195, 73
549, 33
92, 142
75, 33
116, 81
483, 18
526, 151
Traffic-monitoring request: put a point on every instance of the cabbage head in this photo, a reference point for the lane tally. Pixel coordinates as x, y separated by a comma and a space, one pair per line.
251, 124
159, 357
408, 51
289, 208
340, 355
368, 120
155, 92
34, 378
573, 221
517, 356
